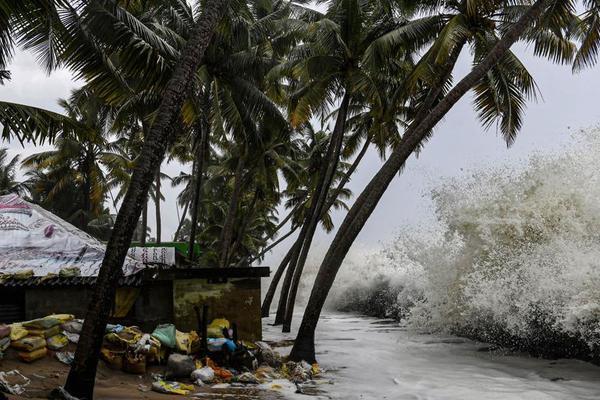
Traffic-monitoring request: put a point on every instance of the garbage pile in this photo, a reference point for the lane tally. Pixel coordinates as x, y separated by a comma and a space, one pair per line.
180, 362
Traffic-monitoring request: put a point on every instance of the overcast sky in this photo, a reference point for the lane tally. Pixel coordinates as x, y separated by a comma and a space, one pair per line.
459, 144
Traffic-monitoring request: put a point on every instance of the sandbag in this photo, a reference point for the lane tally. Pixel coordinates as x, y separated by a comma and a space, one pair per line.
134, 363
69, 272
57, 342
33, 355
179, 366
46, 333
114, 359
4, 330
29, 343
63, 318
17, 332
166, 334
4, 343
42, 323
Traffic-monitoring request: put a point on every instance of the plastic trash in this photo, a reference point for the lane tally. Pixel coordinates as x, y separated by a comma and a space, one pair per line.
169, 387
17, 332
65, 357
215, 329
57, 342
188, 343
16, 388
74, 326
166, 334
248, 378
216, 344
204, 375
73, 337
33, 355
266, 355
179, 366
29, 343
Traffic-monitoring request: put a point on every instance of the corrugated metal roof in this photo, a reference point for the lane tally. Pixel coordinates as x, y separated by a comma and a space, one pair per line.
56, 281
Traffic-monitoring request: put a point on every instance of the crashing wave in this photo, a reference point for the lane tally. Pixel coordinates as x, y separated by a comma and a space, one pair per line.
514, 258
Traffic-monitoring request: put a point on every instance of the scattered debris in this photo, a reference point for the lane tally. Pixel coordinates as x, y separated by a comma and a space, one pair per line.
8, 385
65, 357
168, 387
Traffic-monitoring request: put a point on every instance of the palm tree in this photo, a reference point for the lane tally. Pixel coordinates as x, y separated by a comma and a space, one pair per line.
493, 59
78, 161
80, 382
8, 174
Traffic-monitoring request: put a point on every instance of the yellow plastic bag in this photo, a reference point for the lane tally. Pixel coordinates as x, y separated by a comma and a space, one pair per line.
172, 388
42, 323
215, 329
17, 332
57, 342
188, 343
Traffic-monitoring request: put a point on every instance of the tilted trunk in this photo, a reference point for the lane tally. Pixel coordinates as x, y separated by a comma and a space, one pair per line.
266, 305
80, 381
246, 217
197, 175
317, 205
157, 208
342, 184
144, 222
268, 248
289, 273
228, 225
183, 215
304, 348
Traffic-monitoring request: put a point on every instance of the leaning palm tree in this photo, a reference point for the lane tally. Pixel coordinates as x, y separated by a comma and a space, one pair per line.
496, 99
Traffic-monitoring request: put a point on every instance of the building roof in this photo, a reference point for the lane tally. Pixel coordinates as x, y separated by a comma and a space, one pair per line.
32, 238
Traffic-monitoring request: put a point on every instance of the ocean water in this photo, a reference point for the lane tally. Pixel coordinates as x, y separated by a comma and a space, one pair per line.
513, 257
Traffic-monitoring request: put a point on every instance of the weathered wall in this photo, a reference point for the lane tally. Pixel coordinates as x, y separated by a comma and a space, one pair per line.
238, 300
40, 302
153, 306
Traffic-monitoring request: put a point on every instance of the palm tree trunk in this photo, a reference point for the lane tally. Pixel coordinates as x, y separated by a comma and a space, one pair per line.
144, 222
287, 280
183, 215
317, 204
269, 247
266, 305
228, 225
246, 217
198, 173
304, 348
157, 207
80, 381
342, 184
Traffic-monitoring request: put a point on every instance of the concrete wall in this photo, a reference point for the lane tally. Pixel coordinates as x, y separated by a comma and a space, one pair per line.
40, 302
237, 300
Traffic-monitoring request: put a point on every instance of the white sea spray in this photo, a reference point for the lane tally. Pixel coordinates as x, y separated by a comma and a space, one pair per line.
515, 252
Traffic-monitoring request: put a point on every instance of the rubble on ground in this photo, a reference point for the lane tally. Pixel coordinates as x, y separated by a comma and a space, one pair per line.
224, 362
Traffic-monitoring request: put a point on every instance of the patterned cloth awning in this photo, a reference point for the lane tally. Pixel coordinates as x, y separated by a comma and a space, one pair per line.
32, 238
